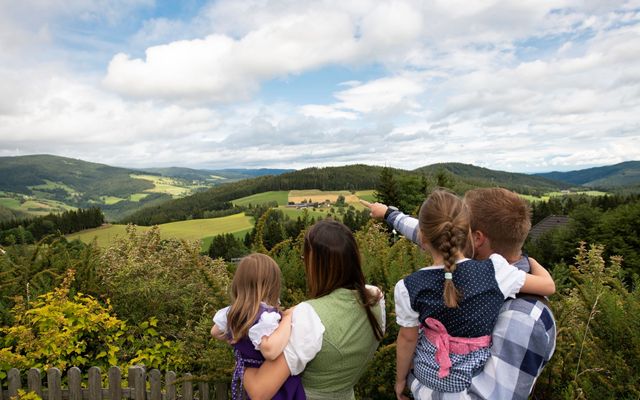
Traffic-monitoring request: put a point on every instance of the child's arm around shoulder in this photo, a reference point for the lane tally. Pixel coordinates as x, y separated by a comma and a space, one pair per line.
538, 281
219, 328
271, 346
512, 280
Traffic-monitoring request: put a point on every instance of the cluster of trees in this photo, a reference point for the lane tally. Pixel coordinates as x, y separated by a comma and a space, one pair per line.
564, 205
273, 227
34, 229
613, 221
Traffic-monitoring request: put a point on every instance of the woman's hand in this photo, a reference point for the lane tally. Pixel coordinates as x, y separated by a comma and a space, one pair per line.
400, 386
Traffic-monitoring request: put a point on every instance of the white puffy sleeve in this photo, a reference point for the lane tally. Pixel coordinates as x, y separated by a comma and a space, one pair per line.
265, 326
406, 316
306, 338
383, 309
510, 279
220, 319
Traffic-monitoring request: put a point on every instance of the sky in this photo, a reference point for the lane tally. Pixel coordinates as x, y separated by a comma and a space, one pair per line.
514, 85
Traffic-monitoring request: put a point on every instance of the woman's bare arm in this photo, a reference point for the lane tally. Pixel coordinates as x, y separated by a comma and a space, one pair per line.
264, 382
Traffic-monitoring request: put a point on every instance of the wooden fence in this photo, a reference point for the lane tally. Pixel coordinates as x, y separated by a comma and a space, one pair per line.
140, 386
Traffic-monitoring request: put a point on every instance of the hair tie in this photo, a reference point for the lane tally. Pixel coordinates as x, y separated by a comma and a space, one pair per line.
448, 275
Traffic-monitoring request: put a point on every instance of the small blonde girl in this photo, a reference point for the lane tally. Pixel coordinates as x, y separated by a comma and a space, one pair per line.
253, 323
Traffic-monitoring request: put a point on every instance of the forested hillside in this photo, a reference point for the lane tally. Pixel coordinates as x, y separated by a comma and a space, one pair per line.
77, 180
352, 177
406, 189
482, 177
607, 177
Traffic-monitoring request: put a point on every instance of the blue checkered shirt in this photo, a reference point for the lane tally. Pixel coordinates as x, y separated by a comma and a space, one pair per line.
523, 341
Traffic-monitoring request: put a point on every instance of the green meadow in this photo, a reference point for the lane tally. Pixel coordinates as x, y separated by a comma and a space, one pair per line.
548, 195
196, 229
280, 197
163, 184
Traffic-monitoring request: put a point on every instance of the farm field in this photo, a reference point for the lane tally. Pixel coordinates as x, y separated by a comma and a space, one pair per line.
167, 185
281, 197
35, 207
196, 229
315, 195
547, 196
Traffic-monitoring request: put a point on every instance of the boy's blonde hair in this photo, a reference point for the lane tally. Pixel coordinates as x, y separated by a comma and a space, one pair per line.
444, 224
502, 215
257, 279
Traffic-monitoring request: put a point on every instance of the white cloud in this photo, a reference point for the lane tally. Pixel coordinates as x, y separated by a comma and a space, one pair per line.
517, 85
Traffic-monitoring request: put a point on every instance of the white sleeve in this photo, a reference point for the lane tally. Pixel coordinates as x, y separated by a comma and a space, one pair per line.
383, 308
406, 316
306, 338
220, 319
265, 326
510, 279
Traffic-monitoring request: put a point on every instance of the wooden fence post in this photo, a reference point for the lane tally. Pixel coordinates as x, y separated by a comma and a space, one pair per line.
34, 381
14, 382
222, 391
170, 385
138, 378
75, 385
203, 389
115, 383
155, 380
187, 387
95, 384
54, 384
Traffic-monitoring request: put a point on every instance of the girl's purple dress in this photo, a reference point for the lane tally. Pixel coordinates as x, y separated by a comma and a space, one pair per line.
248, 357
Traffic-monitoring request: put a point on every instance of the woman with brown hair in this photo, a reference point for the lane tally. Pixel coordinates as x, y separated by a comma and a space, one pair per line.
335, 333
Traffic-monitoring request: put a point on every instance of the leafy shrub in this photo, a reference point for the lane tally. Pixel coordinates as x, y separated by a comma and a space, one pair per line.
59, 329
146, 276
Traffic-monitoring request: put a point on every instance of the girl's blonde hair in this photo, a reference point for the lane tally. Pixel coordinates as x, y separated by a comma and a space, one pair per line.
257, 279
444, 223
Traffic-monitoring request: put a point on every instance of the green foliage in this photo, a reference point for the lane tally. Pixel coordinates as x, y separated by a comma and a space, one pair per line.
598, 347
34, 229
227, 247
60, 329
146, 276
616, 228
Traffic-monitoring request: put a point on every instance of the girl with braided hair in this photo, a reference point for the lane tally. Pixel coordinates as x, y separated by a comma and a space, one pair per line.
447, 311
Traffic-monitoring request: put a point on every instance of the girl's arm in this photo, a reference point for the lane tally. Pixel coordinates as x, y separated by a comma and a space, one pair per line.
218, 333
272, 346
538, 281
263, 383
405, 347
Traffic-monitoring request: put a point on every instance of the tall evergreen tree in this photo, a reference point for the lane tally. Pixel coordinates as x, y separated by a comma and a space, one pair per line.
387, 189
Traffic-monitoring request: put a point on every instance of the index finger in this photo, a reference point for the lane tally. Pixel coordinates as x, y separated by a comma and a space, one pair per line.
365, 203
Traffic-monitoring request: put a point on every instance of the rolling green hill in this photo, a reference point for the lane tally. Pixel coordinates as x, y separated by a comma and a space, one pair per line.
351, 177
624, 174
482, 177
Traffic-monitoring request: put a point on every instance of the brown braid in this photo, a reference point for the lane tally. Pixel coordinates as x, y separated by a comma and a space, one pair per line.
444, 223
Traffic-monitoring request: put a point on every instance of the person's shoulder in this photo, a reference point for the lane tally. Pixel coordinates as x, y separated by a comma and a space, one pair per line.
529, 307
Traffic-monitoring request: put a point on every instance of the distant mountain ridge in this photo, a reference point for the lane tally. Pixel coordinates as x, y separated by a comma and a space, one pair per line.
213, 175
481, 176
623, 174
125, 191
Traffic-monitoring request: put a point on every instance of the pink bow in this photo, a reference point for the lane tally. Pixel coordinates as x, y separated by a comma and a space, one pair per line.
437, 334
